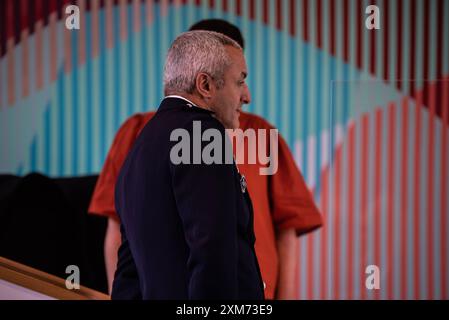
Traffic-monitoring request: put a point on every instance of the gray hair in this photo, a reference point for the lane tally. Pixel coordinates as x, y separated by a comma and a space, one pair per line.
194, 52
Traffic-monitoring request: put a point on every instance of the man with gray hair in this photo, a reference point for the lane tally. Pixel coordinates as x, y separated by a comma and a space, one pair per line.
195, 63
187, 229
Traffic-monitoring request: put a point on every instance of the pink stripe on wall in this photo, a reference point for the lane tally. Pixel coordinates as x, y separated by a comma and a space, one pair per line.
319, 13
10, 66
238, 7
404, 200
360, 16
345, 30
364, 202
38, 29
439, 55
350, 199
336, 223
67, 47
265, 12
305, 20
3, 87
109, 24
426, 35
430, 191
443, 196
385, 22
25, 82
297, 287
149, 11
177, 3
95, 7
210, 2
298, 269
292, 17
373, 48
310, 269
377, 191
390, 197
53, 47
39, 54
252, 9
53, 7
2, 90
82, 33
412, 46
439, 42
324, 234
136, 15
399, 13
333, 28
10, 51
278, 15
123, 19
9, 26
416, 193
164, 7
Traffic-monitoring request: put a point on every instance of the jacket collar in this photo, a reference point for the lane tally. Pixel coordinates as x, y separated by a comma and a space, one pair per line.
175, 101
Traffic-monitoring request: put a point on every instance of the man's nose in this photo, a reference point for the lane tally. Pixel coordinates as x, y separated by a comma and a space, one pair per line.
246, 97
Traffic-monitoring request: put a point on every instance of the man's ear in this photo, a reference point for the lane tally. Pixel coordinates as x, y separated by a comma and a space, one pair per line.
204, 85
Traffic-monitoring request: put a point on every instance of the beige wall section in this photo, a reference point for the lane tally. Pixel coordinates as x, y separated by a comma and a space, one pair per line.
18, 281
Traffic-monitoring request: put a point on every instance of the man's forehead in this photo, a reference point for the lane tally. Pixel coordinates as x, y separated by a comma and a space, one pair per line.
235, 53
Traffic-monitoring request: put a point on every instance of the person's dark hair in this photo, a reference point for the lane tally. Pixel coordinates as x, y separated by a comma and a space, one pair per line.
220, 26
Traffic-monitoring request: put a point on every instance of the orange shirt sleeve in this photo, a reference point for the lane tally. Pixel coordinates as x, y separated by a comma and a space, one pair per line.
292, 204
102, 202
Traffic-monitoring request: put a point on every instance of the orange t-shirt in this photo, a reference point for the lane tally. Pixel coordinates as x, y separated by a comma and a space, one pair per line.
280, 201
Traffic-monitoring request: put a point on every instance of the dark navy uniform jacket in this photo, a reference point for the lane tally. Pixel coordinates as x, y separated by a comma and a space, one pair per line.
187, 229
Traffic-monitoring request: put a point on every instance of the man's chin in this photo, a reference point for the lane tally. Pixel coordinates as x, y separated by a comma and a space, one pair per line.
232, 124
237, 121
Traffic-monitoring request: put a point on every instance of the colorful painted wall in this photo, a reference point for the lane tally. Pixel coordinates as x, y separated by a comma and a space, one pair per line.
365, 113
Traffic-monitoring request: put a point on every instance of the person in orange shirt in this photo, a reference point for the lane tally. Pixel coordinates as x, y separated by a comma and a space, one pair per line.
283, 206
